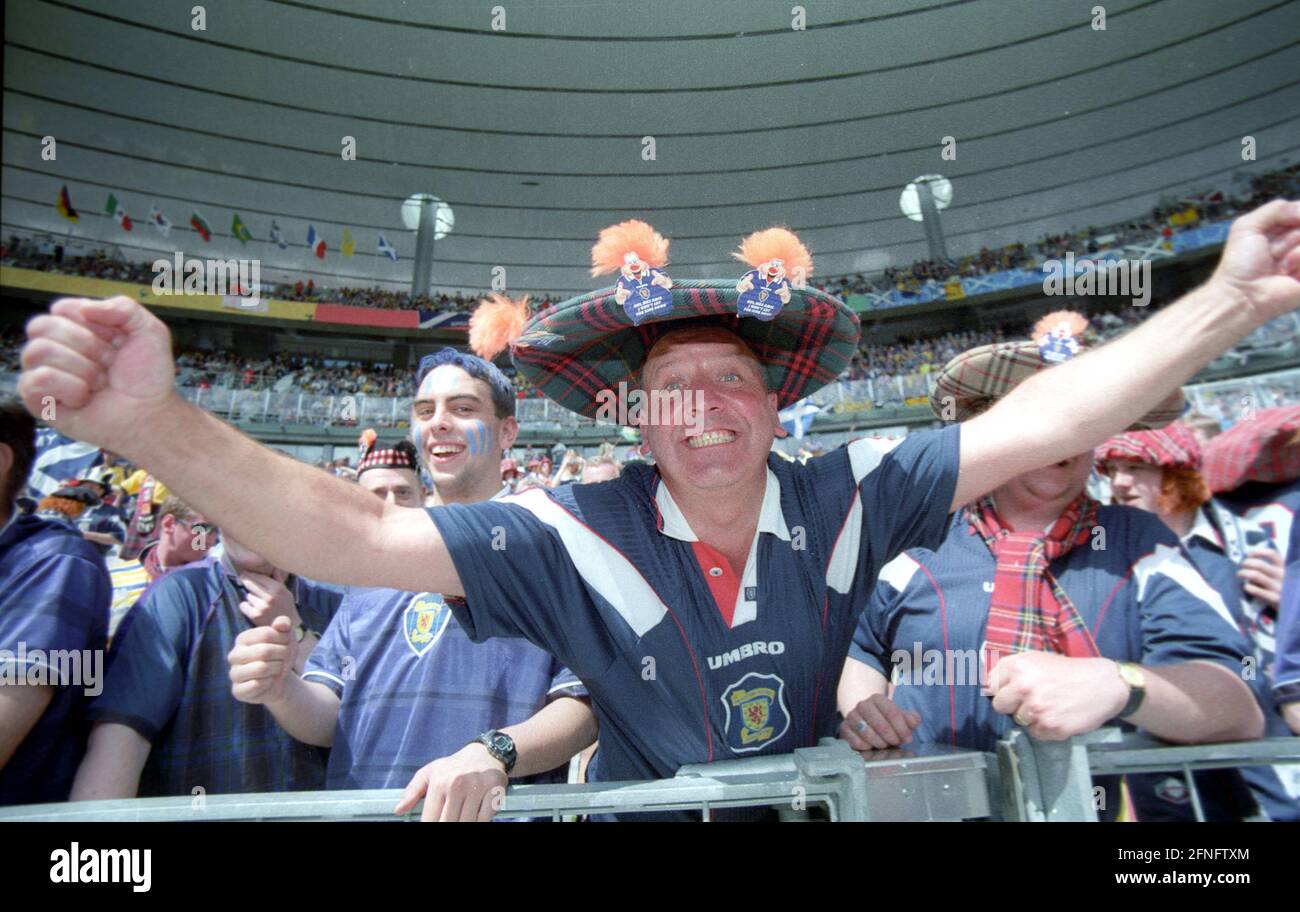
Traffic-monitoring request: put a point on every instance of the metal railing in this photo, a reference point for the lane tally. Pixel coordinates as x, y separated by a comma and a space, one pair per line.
1052, 781
1026, 780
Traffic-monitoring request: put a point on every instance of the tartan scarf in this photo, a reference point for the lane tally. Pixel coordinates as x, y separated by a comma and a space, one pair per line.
1029, 610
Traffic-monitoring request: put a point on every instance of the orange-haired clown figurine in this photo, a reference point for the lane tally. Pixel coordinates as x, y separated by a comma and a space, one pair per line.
1060, 335
780, 262
638, 254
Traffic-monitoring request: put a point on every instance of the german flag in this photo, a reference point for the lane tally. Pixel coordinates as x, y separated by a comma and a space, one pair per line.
65, 206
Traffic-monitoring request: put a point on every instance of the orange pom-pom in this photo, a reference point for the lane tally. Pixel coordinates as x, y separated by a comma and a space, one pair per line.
496, 323
1074, 323
617, 240
366, 441
776, 244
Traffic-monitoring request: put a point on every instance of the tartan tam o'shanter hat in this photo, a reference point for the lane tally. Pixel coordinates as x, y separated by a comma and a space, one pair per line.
372, 455
577, 349
1263, 447
974, 380
1173, 447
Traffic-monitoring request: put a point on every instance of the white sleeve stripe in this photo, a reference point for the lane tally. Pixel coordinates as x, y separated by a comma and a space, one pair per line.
602, 566
867, 453
317, 673
899, 572
843, 565
1169, 561
568, 685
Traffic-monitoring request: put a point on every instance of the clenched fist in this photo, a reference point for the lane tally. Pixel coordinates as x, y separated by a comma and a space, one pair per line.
262, 662
1260, 264
99, 371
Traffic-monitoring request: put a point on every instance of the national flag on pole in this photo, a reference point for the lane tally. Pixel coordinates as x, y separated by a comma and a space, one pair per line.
239, 231
346, 245
387, 249
315, 243
65, 206
160, 221
278, 237
199, 224
113, 209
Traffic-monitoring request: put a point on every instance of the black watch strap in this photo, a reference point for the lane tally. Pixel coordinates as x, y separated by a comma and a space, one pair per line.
501, 746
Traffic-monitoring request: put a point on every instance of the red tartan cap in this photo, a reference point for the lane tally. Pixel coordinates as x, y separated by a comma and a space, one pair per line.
1173, 447
1264, 447
581, 347
975, 379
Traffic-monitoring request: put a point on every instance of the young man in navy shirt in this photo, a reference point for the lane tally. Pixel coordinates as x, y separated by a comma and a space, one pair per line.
166, 723
708, 603
396, 680
54, 597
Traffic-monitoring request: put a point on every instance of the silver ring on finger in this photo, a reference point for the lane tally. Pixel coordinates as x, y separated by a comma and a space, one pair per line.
859, 726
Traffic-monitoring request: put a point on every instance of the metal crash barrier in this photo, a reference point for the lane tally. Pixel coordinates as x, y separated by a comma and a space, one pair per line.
1026, 780
1050, 781
938, 784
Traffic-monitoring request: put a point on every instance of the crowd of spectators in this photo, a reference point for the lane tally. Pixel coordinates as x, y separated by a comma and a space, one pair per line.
206, 368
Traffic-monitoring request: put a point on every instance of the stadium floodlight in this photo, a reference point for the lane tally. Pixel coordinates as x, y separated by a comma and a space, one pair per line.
444, 219
921, 201
431, 219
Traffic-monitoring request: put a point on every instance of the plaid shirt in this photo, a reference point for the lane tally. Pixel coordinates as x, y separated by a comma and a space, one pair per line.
168, 678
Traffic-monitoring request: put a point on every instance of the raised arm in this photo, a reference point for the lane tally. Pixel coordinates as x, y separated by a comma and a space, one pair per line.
1076, 405
102, 372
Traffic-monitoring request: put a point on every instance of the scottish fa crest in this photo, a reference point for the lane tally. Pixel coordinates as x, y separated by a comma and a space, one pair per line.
756, 712
424, 620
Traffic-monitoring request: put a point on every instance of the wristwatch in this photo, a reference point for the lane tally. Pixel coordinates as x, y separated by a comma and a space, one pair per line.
302, 630
1132, 675
501, 746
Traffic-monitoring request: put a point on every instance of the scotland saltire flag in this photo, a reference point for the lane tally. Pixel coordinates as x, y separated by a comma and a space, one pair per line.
798, 418
278, 237
59, 459
387, 249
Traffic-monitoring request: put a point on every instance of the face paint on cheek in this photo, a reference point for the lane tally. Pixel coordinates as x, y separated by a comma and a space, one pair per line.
476, 438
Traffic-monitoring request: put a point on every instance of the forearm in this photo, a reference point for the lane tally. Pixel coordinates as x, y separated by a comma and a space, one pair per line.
858, 682
309, 711
1198, 702
295, 516
115, 758
552, 736
1078, 404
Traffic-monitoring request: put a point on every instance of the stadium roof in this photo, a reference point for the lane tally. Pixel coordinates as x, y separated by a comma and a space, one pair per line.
534, 133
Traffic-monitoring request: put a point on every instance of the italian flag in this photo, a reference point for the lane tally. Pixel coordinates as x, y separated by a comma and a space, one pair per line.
113, 209
198, 224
